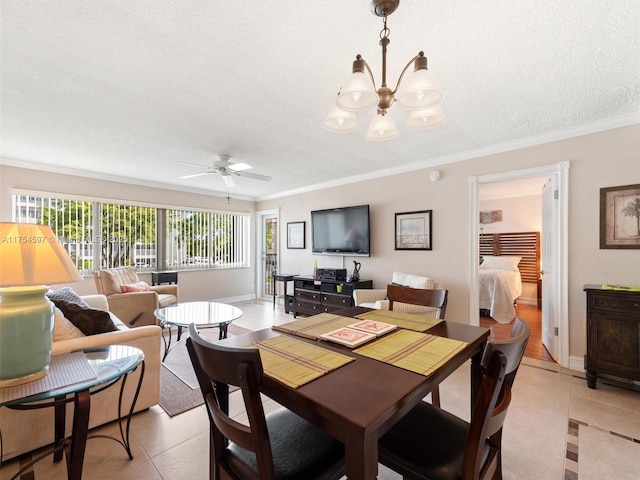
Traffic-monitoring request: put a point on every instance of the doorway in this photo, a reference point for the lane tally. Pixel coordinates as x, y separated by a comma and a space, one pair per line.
512, 217
557, 298
266, 252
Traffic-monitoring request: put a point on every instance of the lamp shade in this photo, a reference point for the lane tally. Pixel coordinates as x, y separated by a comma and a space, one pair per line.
427, 118
382, 128
340, 121
358, 94
30, 258
32, 255
421, 90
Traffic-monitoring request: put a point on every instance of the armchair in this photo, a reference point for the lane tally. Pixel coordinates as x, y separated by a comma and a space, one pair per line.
377, 298
134, 308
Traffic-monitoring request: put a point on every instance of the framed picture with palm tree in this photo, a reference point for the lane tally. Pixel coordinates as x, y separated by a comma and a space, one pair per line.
620, 217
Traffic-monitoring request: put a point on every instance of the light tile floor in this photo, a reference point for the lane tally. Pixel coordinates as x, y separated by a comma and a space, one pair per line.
557, 428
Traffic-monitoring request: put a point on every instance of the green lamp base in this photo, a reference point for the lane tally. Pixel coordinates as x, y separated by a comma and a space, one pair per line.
26, 334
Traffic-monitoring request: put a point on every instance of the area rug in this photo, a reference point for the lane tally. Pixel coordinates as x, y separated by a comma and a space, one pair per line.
179, 389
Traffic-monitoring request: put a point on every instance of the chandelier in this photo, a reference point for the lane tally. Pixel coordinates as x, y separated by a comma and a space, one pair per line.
420, 94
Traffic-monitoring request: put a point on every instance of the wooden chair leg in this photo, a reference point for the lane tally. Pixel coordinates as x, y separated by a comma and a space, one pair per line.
435, 397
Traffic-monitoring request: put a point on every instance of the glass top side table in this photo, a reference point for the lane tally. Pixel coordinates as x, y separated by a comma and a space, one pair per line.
109, 365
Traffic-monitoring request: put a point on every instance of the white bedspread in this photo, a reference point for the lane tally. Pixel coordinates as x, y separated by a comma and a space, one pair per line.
498, 291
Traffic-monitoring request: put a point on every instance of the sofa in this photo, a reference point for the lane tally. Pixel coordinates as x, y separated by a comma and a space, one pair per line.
131, 300
26, 430
376, 298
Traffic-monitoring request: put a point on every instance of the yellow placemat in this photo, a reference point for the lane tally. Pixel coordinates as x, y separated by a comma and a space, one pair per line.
418, 352
408, 321
294, 362
316, 325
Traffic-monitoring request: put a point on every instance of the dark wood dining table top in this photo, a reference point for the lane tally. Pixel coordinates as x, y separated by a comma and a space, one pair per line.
360, 401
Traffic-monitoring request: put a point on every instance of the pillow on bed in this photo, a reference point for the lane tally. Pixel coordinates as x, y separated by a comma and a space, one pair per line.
500, 263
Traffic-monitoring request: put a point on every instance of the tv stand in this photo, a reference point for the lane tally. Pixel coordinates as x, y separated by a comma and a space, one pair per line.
320, 295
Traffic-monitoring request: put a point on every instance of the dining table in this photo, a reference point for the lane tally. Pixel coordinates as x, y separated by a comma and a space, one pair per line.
361, 400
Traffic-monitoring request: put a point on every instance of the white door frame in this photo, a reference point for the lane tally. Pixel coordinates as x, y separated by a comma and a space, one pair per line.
260, 216
561, 170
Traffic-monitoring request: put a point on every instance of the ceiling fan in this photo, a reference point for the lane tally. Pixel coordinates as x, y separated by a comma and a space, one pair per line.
227, 170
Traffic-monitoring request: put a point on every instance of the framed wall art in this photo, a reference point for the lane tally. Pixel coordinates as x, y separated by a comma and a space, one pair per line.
413, 230
295, 235
620, 217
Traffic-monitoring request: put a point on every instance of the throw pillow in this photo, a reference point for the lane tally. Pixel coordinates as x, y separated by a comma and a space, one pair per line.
135, 287
63, 329
88, 320
66, 294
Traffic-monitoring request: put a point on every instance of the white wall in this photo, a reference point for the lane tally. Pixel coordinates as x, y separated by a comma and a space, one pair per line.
598, 160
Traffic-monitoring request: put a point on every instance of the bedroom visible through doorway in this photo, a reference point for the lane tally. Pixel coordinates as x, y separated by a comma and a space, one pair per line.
507, 209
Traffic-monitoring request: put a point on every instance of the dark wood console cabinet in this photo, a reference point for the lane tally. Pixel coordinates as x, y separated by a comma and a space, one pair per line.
319, 295
613, 334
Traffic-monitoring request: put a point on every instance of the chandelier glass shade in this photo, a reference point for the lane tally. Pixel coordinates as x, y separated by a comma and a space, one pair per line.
420, 93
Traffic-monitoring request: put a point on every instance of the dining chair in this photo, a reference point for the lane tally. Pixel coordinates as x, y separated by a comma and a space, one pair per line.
280, 445
428, 298
418, 296
431, 443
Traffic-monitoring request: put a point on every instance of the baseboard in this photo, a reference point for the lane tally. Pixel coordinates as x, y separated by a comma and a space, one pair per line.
527, 301
240, 298
576, 363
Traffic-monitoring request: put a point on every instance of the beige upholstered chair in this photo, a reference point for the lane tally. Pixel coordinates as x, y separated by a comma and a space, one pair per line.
377, 298
134, 308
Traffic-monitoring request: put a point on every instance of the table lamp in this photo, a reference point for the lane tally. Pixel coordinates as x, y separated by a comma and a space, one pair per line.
31, 257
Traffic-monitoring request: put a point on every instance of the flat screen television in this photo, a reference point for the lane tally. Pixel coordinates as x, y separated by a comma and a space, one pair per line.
341, 231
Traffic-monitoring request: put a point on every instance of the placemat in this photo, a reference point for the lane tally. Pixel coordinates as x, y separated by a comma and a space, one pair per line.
408, 321
418, 352
64, 369
294, 362
316, 325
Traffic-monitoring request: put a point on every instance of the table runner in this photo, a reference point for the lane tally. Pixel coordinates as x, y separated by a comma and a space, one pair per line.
418, 352
316, 325
294, 362
408, 321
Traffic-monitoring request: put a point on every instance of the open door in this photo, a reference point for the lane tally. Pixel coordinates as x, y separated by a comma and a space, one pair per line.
550, 250
267, 252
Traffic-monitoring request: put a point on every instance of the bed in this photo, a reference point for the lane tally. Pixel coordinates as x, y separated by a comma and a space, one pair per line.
508, 259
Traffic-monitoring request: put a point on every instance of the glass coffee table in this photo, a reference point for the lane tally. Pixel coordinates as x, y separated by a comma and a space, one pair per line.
206, 314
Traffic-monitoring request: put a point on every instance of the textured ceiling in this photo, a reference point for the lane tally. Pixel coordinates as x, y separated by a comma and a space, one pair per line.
124, 88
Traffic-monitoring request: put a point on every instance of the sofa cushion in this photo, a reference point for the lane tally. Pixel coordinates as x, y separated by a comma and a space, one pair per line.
63, 329
88, 320
413, 281
111, 279
66, 294
135, 287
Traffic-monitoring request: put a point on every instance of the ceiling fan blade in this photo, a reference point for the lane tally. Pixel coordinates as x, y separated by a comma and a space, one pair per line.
194, 164
195, 175
237, 167
255, 176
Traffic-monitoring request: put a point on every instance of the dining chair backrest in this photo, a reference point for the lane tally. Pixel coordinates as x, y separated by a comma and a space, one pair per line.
513, 347
487, 417
216, 368
488, 432
418, 296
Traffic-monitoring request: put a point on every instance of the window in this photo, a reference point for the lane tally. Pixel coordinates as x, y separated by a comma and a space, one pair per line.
105, 235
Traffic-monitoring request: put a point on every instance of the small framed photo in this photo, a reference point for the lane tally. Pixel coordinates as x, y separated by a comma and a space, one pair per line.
620, 217
295, 235
413, 230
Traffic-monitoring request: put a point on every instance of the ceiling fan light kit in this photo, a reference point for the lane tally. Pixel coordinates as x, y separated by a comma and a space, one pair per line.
420, 94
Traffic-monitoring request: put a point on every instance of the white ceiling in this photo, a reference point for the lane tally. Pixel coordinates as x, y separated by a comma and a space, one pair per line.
130, 88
